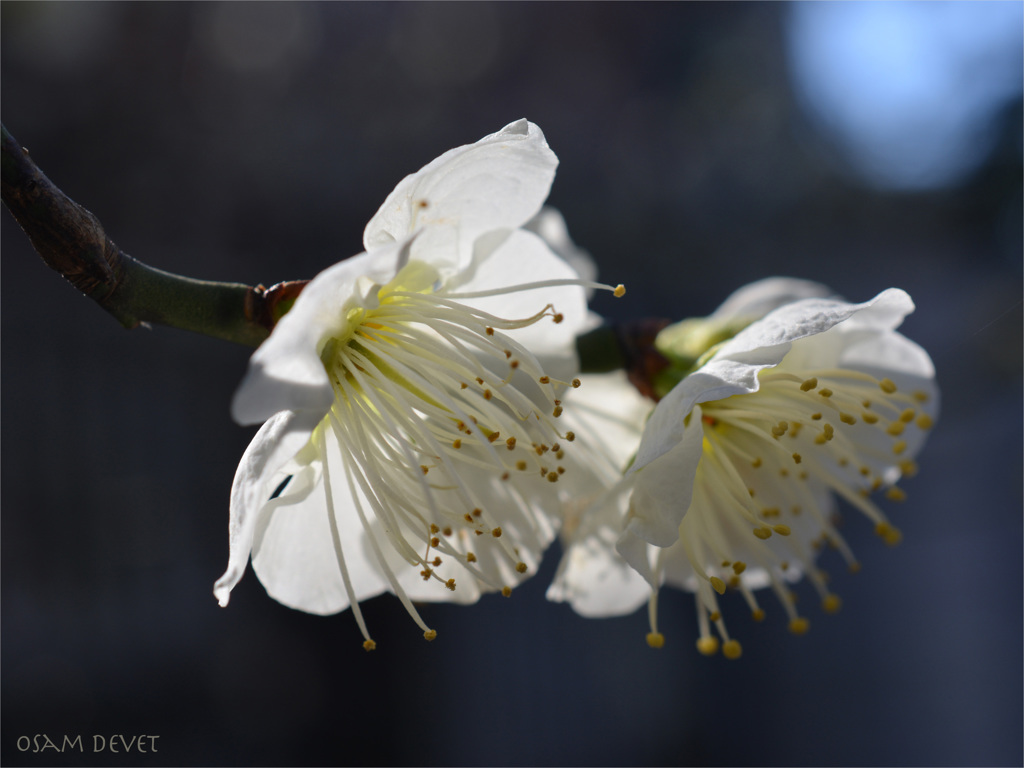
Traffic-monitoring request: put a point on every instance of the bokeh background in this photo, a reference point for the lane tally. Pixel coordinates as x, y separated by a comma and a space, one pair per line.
702, 146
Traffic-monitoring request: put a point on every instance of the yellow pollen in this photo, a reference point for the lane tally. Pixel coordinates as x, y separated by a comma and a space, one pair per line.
493, 437
521, 466
739, 568
896, 494
655, 639
865, 471
447, 531
869, 418
734, 581
799, 626
450, 584
434, 529
809, 384
513, 364
924, 421
489, 330
496, 533
506, 591
780, 429
430, 634
756, 462
896, 428
557, 412
846, 418
620, 291
544, 380
463, 385
467, 517
487, 394
732, 650
510, 443
797, 458
908, 415
570, 436
456, 443
908, 467
825, 392
828, 431
508, 353
521, 567
716, 616
718, 585
708, 646
921, 397
763, 533
757, 614
783, 472
899, 447
424, 468
888, 534
477, 512
782, 530
576, 383
887, 386
369, 645
831, 604
470, 557
558, 317
481, 383
815, 417
425, 573
435, 541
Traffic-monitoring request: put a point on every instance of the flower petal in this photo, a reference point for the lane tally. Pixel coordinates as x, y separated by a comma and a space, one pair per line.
277, 442
499, 182
759, 298
286, 373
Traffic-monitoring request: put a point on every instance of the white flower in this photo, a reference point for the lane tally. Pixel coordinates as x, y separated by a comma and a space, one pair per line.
410, 398
734, 477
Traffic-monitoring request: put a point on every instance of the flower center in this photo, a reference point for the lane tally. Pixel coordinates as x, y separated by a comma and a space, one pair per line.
761, 507
448, 433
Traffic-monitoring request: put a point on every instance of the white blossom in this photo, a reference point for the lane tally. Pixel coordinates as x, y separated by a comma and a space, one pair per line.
734, 474
411, 398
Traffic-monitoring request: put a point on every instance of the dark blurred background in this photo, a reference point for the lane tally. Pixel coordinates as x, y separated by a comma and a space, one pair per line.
702, 146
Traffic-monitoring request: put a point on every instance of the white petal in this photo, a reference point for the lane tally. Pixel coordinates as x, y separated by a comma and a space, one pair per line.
286, 373
499, 182
759, 298
549, 224
298, 557
277, 442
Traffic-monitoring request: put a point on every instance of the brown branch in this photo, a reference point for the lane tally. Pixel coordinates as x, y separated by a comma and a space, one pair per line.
72, 241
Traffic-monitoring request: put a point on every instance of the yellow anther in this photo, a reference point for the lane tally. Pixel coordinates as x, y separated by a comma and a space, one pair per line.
783, 472
924, 421
487, 394
921, 397
557, 412
558, 317
570, 436
489, 330
831, 604
655, 639
854, 567
481, 383
513, 364
797, 458
708, 646
820, 439
506, 591
426, 573
799, 626
496, 533
815, 417
521, 466
369, 645
763, 533
716, 616
508, 353
510, 443
825, 392
456, 443
756, 462
896, 494
732, 650
424, 468
908, 415
544, 380
734, 581
865, 471
888, 534
899, 447
521, 567
757, 614
780, 429
887, 386
869, 418
430, 634
809, 384
552, 477
477, 512
718, 585
739, 568
895, 429
435, 541
782, 530
620, 291
847, 418
447, 531
470, 557
450, 584
434, 529
908, 467
493, 437
576, 383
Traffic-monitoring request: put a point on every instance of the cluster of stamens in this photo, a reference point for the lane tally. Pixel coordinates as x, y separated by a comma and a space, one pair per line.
442, 419
759, 515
